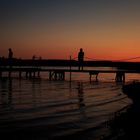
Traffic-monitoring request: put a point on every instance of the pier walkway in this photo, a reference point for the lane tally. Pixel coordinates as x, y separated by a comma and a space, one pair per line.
59, 74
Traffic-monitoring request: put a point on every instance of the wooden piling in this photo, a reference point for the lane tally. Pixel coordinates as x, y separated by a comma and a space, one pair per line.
0, 72
20, 74
120, 76
70, 68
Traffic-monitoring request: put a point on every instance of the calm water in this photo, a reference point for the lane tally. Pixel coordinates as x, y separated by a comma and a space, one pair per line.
62, 107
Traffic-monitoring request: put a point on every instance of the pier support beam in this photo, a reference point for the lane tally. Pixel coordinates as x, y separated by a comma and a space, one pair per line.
32, 73
120, 76
29, 74
93, 73
9, 74
20, 74
57, 75
38, 73
0, 74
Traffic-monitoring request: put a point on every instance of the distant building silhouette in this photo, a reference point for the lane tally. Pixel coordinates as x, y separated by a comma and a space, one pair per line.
80, 59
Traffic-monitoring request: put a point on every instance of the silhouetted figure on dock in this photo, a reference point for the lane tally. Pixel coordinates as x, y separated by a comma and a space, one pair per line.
80, 59
10, 57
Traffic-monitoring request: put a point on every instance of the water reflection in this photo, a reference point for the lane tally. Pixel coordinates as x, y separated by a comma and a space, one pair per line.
60, 108
6, 93
36, 92
81, 102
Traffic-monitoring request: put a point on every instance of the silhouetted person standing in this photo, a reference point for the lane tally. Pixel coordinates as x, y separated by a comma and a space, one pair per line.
80, 58
10, 57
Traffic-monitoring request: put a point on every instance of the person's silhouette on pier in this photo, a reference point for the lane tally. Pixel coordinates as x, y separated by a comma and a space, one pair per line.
10, 57
80, 59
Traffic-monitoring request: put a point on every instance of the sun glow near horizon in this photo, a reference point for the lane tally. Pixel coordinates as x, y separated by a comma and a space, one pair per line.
57, 29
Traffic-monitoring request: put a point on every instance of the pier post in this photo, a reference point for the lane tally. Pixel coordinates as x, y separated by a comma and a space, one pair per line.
30, 74
93, 73
34, 74
57, 75
20, 74
26, 74
38, 73
9, 74
70, 68
120, 76
50, 75
0, 74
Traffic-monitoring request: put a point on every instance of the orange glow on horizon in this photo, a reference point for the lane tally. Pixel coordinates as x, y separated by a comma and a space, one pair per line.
105, 30
99, 51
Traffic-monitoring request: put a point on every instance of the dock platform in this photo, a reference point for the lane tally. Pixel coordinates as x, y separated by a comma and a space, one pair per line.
59, 74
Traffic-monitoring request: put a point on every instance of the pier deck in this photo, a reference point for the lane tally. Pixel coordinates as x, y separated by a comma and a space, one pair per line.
59, 74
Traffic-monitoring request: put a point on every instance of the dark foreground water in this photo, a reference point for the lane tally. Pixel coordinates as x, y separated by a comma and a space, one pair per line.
41, 109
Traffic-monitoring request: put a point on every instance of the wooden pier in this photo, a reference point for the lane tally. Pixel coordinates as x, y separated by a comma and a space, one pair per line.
29, 72
59, 74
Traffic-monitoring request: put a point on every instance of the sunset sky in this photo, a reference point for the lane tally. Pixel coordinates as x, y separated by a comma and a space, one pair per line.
105, 29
